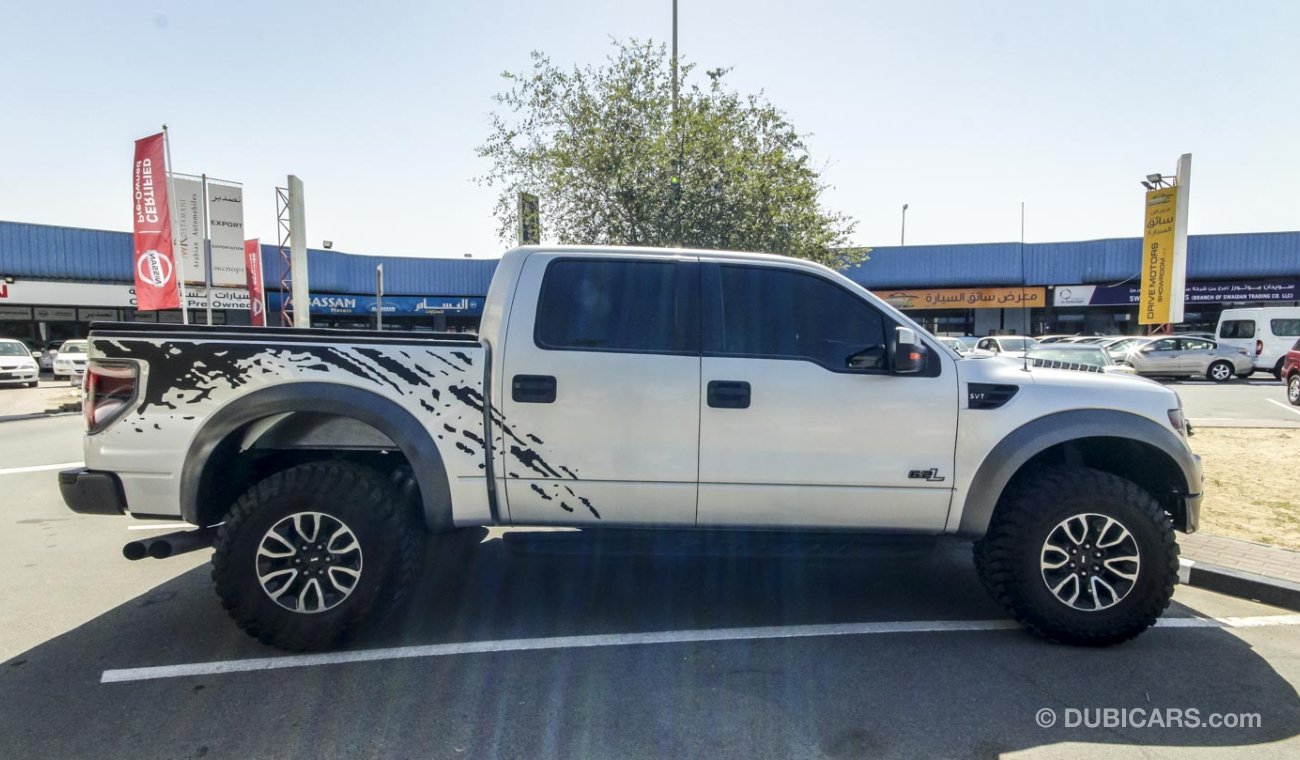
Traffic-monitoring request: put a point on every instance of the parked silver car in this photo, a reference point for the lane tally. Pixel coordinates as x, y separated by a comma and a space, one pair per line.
1189, 357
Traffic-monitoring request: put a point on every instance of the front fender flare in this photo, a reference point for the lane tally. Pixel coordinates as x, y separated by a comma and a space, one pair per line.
1032, 438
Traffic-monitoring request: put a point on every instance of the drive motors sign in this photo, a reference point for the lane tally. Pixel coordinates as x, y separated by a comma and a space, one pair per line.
1158, 257
1163, 278
155, 268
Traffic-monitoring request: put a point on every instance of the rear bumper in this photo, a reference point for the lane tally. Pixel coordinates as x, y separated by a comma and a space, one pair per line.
91, 492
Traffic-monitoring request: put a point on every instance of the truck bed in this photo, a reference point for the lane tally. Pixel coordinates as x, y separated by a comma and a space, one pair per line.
193, 376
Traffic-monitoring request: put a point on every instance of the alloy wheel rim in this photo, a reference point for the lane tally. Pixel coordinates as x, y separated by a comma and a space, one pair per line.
1220, 371
1090, 562
309, 562
1293, 389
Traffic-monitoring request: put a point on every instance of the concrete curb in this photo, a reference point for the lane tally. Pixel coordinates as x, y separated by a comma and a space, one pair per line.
1224, 580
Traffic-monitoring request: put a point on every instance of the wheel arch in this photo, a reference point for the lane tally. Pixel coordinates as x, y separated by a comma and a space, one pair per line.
316, 419
1125, 444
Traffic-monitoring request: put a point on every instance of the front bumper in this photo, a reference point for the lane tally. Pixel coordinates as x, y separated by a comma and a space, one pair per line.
1192, 502
91, 492
19, 374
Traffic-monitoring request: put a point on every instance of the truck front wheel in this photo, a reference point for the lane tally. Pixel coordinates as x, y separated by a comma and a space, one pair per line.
1079, 556
311, 552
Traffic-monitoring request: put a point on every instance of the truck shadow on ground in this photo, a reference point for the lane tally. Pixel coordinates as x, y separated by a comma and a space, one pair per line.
944, 694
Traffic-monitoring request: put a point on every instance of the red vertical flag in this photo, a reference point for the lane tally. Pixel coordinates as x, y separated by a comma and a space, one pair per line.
155, 266
256, 290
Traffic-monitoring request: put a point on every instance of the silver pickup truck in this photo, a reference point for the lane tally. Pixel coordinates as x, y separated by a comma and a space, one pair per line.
632, 388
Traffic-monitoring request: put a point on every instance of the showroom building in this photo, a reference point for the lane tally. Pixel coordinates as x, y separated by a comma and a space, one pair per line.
57, 280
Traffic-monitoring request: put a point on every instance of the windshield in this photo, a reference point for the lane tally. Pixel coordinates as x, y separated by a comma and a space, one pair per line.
73, 348
11, 348
1017, 344
1075, 355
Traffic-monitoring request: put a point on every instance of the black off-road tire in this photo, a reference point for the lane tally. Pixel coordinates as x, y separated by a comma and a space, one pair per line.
1008, 557
387, 528
1293, 389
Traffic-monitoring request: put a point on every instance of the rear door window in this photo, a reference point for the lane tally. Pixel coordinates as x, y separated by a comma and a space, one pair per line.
1196, 344
624, 306
1237, 328
1285, 327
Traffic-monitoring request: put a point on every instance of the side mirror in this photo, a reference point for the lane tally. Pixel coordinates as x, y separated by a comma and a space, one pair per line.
906, 353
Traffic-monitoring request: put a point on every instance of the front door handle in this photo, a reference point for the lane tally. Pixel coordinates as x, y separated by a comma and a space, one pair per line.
728, 394
533, 389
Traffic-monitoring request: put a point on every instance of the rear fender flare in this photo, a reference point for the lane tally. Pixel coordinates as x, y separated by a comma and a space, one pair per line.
383, 414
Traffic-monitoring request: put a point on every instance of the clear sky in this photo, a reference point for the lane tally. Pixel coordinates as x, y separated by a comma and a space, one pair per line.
960, 109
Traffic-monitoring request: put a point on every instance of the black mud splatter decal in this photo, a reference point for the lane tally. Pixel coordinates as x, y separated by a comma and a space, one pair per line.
184, 374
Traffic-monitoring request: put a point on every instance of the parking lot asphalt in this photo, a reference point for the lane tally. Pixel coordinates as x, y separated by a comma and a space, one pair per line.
897, 653
1257, 401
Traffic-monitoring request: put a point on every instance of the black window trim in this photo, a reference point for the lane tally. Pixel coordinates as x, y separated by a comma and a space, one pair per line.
683, 279
711, 310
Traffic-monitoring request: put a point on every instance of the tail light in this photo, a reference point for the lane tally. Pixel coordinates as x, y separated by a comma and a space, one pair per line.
1259, 347
108, 390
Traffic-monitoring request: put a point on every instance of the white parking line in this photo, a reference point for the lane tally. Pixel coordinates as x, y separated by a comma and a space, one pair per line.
1287, 407
164, 526
222, 667
40, 468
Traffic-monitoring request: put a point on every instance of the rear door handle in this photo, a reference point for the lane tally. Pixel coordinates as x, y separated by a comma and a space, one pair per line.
728, 394
533, 389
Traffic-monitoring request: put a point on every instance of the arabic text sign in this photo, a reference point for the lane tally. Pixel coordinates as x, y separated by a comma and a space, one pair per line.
226, 222
394, 306
965, 298
1214, 291
1157, 289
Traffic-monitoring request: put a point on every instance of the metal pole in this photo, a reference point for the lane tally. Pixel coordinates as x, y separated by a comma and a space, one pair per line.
677, 136
902, 235
171, 204
207, 252
379, 297
298, 253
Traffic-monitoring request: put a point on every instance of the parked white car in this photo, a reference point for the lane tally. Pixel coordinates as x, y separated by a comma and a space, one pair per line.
1010, 346
17, 365
70, 362
1265, 334
956, 344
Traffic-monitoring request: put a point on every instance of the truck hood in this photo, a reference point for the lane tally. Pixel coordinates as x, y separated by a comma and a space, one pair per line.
1063, 389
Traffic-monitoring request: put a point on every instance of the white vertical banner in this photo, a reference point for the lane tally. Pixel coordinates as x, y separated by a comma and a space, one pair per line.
226, 222
1183, 179
189, 228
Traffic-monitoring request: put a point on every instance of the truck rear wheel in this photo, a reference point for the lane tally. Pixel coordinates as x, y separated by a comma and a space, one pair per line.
1079, 556
312, 552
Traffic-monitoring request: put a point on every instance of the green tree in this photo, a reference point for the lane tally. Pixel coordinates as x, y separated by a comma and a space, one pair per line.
598, 145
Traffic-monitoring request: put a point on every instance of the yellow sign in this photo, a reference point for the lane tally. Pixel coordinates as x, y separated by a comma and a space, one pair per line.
964, 298
1158, 257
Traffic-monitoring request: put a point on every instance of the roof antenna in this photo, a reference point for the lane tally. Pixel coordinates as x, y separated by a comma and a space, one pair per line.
1024, 306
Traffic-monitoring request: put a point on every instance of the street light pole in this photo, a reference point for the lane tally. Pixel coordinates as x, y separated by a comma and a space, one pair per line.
676, 186
902, 236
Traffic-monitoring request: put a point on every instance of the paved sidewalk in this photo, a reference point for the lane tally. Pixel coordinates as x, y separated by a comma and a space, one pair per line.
1243, 556
20, 402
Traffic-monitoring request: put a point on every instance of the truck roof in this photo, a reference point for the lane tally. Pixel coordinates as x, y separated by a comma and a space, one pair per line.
643, 250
